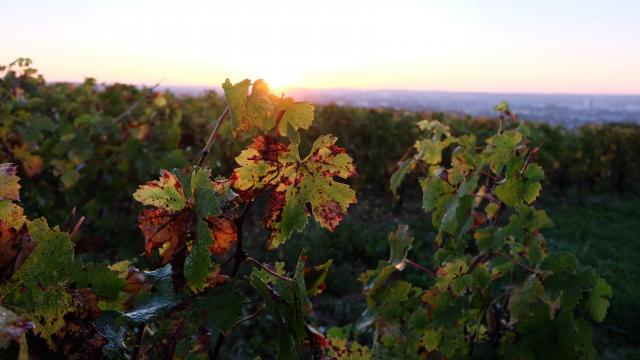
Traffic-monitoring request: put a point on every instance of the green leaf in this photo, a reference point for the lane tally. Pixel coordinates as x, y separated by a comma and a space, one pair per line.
151, 305
69, 178
297, 115
220, 308
431, 339
404, 167
597, 301
198, 265
503, 145
510, 192
432, 190
37, 287
236, 96
315, 276
103, 281
400, 242
206, 201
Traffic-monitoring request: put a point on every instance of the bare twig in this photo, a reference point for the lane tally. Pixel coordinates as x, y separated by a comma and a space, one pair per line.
66, 225
133, 106
515, 262
268, 269
207, 147
137, 350
262, 307
77, 227
429, 272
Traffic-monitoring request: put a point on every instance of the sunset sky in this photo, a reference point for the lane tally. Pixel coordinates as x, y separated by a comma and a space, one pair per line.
546, 46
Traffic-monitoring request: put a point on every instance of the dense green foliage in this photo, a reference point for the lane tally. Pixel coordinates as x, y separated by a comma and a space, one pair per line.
90, 147
496, 289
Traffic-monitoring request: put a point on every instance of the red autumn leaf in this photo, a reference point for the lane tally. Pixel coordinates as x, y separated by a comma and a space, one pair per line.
165, 230
15, 246
224, 234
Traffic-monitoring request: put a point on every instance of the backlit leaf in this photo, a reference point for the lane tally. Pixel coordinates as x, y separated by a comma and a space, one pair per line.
166, 193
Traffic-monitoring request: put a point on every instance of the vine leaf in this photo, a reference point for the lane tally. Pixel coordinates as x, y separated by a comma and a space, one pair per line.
503, 146
597, 300
288, 304
151, 304
9, 187
400, 242
15, 246
520, 188
166, 193
198, 265
297, 115
183, 203
315, 276
43, 274
12, 214
224, 234
298, 183
259, 164
164, 230
262, 110
313, 185
236, 95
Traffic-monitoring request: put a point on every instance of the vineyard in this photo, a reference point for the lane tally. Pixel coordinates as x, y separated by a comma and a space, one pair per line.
137, 224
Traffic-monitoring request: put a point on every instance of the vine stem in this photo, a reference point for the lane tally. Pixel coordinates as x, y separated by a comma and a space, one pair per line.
515, 262
421, 268
269, 270
239, 257
133, 106
207, 147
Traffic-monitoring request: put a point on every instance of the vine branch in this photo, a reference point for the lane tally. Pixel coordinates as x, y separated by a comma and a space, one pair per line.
424, 269
207, 147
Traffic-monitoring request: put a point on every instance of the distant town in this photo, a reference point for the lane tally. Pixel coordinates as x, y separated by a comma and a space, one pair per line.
568, 110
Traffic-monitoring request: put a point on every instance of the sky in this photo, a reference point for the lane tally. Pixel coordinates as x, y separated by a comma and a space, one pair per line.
539, 46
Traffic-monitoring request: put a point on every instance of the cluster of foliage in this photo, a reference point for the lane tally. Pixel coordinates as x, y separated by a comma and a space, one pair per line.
496, 290
54, 304
590, 158
69, 137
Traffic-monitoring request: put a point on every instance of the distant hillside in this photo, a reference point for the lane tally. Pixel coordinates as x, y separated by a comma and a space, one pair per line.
569, 110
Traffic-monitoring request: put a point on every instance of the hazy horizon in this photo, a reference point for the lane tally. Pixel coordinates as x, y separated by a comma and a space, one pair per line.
577, 47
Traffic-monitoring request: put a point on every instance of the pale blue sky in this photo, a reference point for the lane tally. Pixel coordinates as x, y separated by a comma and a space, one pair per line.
513, 46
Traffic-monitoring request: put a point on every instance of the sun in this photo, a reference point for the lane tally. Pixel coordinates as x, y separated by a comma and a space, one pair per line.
279, 81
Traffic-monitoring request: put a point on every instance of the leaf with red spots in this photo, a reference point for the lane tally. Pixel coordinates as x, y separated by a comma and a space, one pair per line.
260, 164
166, 193
299, 184
183, 202
311, 184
